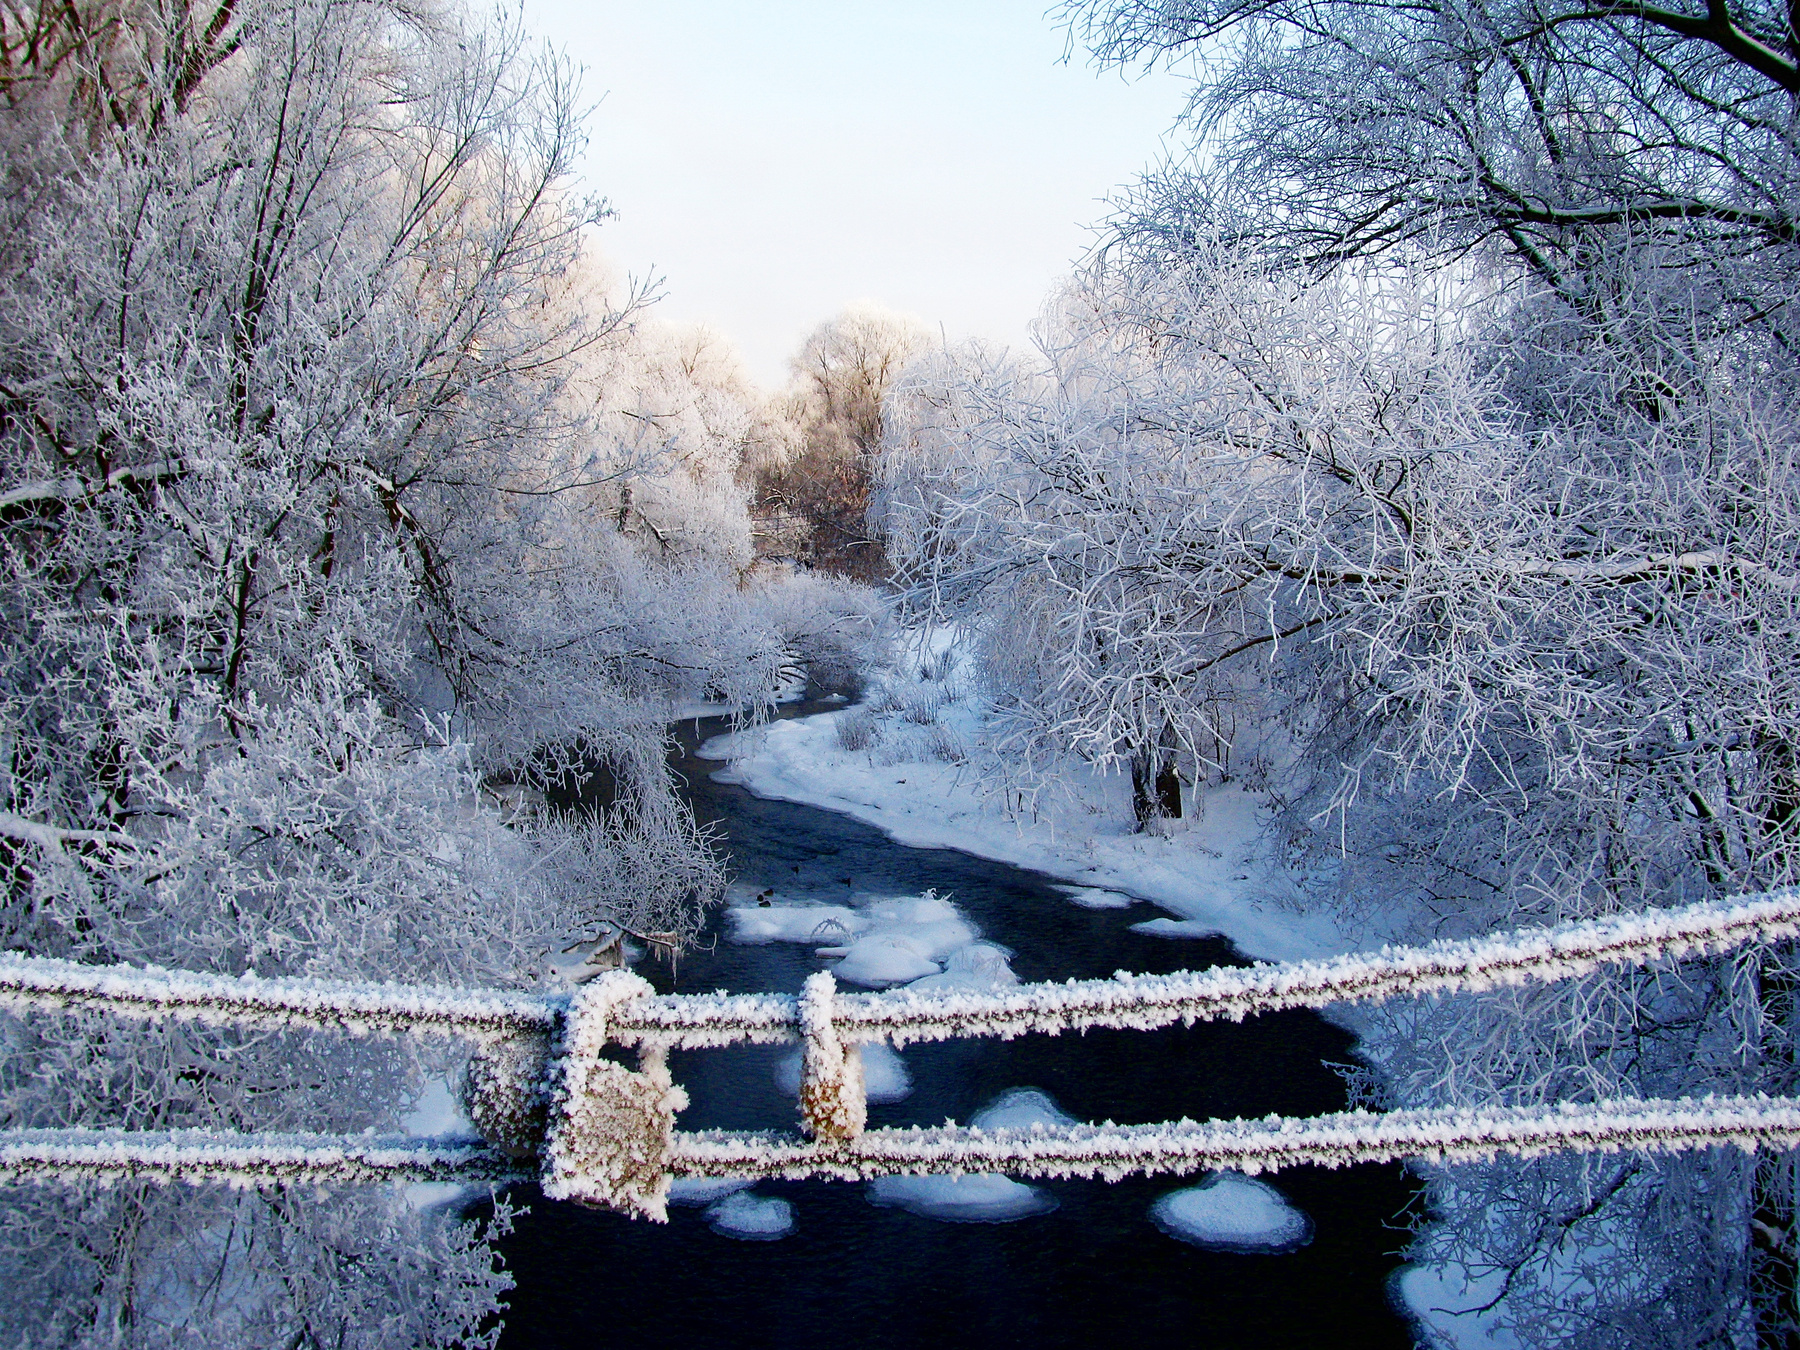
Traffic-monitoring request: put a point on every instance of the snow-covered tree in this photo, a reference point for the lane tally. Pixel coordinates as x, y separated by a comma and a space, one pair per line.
813, 500
1526, 605
1214, 466
1446, 411
310, 477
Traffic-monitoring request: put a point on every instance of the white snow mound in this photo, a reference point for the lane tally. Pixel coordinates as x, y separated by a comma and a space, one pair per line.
982, 1197
881, 960
1020, 1109
1093, 897
1233, 1213
759, 924
1175, 928
881, 941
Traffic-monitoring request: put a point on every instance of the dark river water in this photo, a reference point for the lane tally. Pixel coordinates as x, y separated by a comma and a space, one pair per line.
1094, 1272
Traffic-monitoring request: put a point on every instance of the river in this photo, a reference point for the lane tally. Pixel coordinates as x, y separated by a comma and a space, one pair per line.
1093, 1272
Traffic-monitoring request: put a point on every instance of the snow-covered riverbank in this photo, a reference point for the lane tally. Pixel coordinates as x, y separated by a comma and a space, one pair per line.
904, 760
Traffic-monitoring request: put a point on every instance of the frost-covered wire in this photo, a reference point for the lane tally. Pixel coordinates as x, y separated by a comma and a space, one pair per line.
1112, 1151
248, 1159
1139, 1002
153, 994
1443, 1135
1142, 1002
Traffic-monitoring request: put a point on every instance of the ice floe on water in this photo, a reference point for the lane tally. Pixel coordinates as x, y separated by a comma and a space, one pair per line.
1175, 928
1235, 1213
885, 1075
1093, 897
881, 941
883, 960
758, 1218
981, 1197
705, 1190
980, 965
767, 921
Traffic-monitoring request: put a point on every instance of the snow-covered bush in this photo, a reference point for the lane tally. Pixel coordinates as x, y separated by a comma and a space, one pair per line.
831, 630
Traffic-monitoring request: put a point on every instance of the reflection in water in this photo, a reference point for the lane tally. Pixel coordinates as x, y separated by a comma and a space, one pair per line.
1084, 1264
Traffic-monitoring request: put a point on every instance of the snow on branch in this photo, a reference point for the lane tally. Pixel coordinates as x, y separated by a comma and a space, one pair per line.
49, 837
1443, 1135
247, 1160
154, 994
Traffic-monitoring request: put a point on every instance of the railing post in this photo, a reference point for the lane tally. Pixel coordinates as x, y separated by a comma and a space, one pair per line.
610, 1129
833, 1106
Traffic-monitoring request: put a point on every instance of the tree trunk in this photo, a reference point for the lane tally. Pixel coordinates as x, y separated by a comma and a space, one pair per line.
1155, 785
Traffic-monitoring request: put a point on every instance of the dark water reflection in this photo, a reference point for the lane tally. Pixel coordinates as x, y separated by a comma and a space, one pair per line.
1092, 1272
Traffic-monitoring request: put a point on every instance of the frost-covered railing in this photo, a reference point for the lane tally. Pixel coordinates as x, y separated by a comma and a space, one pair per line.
550, 1102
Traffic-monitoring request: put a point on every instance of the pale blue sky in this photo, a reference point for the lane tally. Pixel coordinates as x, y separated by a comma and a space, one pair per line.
775, 161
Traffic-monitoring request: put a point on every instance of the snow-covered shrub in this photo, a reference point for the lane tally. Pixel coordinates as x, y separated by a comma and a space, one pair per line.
834, 631
855, 729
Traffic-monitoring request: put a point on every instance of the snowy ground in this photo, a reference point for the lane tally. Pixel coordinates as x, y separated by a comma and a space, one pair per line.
917, 739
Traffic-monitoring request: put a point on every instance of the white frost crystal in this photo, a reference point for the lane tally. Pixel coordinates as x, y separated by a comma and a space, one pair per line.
832, 1106
506, 1093
610, 1128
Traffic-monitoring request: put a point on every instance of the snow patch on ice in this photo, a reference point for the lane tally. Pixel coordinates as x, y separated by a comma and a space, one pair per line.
1175, 928
1020, 1109
980, 965
757, 1218
705, 1190
1233, 1213
1093, 897
756, 925
983, 1197
882, 960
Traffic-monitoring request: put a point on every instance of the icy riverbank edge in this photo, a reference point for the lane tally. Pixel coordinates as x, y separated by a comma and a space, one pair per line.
1203, 873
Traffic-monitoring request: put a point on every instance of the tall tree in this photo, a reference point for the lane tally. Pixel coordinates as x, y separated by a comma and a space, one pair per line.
842, 375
